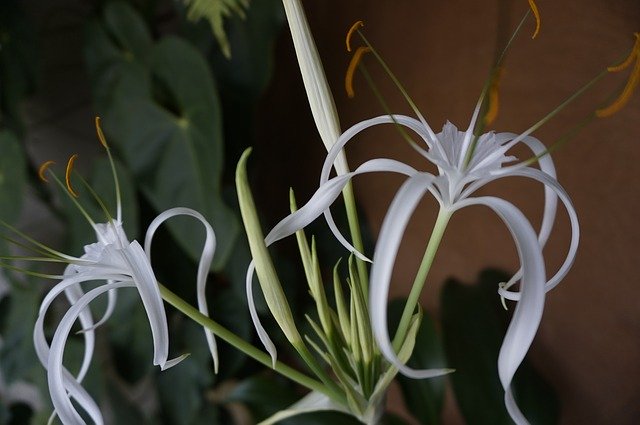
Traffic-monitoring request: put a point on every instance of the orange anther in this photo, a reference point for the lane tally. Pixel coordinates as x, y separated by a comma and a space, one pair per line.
67, 176
43, 169
354, 28
355, 60
536, 14
101, 137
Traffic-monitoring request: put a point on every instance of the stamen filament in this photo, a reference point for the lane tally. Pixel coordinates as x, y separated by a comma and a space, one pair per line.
67, 175
355, 60
43, 169
536, 14
356, 26
116, 182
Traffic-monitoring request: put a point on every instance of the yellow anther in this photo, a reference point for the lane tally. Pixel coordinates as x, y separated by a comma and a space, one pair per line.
494, 98
355, 60
103, 140
67, 176
43, 169
536, 14
354, 28
635, 51
631, 85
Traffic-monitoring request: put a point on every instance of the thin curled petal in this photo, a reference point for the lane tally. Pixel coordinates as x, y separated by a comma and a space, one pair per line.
57, 377
253, 312
312, 402
112, 299
73, 294
575, 228
528, 311
145, 280
208, 251
391, 233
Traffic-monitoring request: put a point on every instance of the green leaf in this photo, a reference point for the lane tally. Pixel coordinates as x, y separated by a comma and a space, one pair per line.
423, 397
174, 148
12, 176
214, 11
474, 325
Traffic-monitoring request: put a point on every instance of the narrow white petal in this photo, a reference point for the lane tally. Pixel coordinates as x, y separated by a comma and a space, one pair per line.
262, 333
145, 280
62, 386
111, 305
312, 402
528, 312
206, 257
73, 294
391, 233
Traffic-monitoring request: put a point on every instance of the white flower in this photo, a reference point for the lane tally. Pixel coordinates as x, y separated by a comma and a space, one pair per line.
453, 187
120, 264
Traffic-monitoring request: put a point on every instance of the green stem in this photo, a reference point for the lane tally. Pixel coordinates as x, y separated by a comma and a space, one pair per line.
427, 260
242, 345
354, 228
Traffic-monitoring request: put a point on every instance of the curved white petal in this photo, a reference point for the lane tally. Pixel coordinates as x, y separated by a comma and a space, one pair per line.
111, 305
145, 280
391, 233
552, 184
312, 402
253, 312
528, 311
73, 294
326, 195
206, 257
62, 386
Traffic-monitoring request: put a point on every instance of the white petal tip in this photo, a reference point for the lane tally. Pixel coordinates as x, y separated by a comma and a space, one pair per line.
171, 363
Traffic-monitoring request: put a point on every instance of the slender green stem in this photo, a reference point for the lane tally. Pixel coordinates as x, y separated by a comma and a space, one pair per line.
354, 228
427, 260
242, 345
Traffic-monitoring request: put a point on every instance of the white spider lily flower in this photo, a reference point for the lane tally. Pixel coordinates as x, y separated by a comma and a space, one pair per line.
119, 263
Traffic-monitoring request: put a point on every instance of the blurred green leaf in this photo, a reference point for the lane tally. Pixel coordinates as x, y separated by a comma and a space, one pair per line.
125, 412
423, 397
18, 63
474, 325
12, 176
161, 110
215, 11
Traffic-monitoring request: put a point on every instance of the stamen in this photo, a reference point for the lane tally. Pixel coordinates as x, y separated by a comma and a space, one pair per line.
357, 25
355, 60
635, 51
494, 98
536, 14
629, 88
43, 169
67, 176
103, 140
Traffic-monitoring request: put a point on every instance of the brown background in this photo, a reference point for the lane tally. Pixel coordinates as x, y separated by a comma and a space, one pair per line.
588, 345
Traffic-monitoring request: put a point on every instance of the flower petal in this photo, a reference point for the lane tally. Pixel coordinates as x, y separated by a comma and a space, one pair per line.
528, 312
206, 257
62, 386
312, 402
145, 280
391, 233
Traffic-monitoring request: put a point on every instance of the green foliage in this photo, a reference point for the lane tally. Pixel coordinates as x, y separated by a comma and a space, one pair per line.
12, 176
474, 325
161, 111
215, 11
